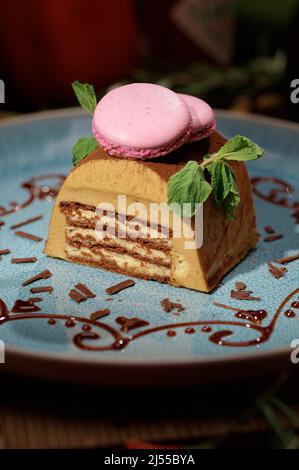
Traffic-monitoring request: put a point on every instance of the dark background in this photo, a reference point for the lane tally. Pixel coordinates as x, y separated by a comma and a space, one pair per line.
239, 55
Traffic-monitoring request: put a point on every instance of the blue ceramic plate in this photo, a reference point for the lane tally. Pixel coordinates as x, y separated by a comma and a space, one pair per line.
40, 146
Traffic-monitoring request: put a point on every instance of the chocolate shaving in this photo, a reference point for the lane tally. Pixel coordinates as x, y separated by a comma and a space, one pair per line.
168, 306
23, 260
276, 272
240, 286
269, 229
84, 289
29, 236
38, 290
99, 314
2, 223
26, 222
76, 296
4, 252
178, 307
273, 238
243, 295
119, 287
24, 306
43, 275
287, 259
35, 300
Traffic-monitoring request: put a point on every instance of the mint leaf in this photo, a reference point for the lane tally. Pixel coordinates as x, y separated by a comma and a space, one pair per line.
188, 186
86, 96
230, 204
225, 190
232, 198
241, 149
82, 148
220, 181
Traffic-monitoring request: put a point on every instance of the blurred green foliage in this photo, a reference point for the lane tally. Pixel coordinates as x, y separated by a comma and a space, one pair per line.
277, 13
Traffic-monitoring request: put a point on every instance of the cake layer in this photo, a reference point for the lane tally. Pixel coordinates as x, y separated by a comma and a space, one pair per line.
86, 237
80, 215
119, 262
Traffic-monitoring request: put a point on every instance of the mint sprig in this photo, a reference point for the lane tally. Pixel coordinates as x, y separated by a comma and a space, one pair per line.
190, 185
241, 149
82, 148
86, 96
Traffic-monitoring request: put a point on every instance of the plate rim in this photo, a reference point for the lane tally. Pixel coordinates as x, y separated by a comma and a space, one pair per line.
127, 361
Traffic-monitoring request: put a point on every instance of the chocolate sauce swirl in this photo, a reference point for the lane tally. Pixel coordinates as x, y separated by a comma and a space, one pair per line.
35, 191
84, 340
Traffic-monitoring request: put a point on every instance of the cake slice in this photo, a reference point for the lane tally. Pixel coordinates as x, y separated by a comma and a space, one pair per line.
156, 254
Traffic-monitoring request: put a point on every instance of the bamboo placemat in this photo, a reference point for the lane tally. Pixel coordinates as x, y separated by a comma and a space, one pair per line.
36, 414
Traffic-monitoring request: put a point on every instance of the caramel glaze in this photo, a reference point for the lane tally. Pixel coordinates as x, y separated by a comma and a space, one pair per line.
83, 339
35, 191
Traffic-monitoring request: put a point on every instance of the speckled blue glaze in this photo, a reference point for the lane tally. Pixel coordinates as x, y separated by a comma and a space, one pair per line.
42, 146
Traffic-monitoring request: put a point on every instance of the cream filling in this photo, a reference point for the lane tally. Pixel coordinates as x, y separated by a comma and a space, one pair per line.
118, 223
122, 261
157, 255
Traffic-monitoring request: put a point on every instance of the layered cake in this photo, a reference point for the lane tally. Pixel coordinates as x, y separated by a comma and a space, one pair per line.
130, 243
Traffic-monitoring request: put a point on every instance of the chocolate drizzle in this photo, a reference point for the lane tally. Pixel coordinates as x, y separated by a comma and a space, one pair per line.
290, 313
254, 316
128, 324
206, 329
35, 191
171, 333
84, 339
4, 313
217, 337
273, 194
190, 331
276, 194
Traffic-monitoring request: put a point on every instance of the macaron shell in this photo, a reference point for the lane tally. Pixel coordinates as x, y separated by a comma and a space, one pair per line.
142, 116
203, 118
203, 133
121, 151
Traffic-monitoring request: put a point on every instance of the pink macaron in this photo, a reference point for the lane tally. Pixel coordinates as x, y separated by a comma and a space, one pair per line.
203, 118
142, 121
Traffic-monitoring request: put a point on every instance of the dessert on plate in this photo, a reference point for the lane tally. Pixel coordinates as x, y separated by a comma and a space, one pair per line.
153, 146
